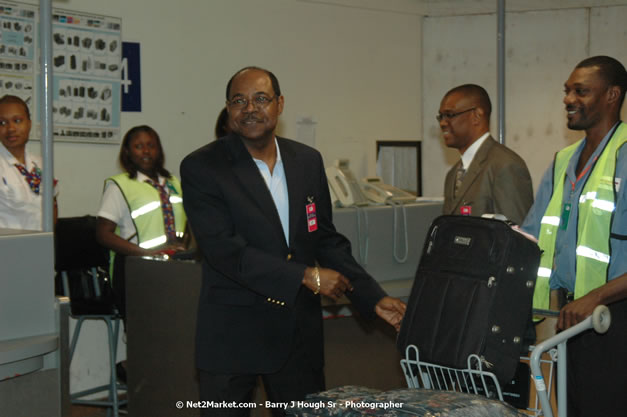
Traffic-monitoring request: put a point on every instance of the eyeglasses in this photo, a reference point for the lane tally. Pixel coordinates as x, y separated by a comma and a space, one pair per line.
449, 116
258, 102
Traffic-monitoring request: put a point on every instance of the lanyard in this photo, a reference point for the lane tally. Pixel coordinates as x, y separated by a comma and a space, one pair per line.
583, 173
567, 206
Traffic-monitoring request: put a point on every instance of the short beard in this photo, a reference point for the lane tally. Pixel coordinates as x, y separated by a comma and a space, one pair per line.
575, 126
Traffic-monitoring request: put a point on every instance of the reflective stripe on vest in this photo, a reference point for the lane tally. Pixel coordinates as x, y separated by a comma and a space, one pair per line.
596, 205
154, 242
145, 207
154, 205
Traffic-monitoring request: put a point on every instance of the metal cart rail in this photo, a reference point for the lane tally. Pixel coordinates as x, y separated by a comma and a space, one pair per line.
474, 379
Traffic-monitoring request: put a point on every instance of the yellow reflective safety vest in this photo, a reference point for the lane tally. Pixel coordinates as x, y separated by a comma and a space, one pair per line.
145, 207
596, 207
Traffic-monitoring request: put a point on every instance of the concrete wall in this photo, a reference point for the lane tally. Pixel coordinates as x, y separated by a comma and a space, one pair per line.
542, 48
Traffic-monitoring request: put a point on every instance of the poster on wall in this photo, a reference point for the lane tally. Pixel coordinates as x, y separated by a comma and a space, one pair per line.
87, 55
18, 25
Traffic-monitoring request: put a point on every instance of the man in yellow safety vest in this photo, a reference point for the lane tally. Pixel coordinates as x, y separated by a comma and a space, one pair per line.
580, 220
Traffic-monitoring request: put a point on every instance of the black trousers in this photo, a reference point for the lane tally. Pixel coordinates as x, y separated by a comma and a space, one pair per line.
597, 369
292, 382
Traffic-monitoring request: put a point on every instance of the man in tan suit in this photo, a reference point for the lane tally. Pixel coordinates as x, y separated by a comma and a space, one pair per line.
489, 178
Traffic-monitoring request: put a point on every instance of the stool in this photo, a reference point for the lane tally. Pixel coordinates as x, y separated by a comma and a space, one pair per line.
113, 331
82, 265
93, 283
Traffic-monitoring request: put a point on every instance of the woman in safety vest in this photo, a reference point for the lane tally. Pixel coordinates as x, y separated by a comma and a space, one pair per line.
142, 208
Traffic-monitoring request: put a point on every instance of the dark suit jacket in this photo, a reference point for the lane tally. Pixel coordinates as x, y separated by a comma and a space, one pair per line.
497, 181
252, 299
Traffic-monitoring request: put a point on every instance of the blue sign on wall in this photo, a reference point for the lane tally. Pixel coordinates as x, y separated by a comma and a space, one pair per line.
131, 77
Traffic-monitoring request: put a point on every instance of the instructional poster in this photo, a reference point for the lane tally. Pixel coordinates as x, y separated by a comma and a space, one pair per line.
87, 56
86, 67
18, 24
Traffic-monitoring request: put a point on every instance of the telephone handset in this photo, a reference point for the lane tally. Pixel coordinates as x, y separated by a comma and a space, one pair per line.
376, 190
344, 185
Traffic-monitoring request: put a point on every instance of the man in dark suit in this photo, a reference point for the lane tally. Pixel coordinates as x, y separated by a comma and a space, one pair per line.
260, 210
489, 178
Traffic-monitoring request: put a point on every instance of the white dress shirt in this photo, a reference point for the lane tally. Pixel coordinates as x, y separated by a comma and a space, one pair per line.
20, 207
469, 155
277, 185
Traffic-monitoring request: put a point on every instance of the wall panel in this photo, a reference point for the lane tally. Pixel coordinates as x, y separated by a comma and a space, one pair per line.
542, 48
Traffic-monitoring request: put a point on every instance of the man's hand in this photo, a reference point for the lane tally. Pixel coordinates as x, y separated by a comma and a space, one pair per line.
576, 311
572, 313
391, 310
332, 283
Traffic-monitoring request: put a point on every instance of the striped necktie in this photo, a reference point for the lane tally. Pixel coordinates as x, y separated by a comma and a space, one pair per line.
459, 176
166, 208
33, 178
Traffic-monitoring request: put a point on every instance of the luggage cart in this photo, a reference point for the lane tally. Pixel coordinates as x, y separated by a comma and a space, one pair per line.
476, 379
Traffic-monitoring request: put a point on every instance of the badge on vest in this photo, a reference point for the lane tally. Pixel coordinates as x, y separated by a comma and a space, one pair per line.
171, 187
312, 220
565, 216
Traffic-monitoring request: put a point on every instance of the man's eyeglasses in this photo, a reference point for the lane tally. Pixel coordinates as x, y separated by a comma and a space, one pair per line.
449, 116
258, 102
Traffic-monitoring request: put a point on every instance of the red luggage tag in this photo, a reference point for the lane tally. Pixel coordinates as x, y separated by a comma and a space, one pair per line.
465, 210
312, 220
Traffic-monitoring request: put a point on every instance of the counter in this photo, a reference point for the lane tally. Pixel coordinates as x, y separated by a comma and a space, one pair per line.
29, 333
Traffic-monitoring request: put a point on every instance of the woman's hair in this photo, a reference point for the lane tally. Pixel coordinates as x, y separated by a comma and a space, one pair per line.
15, 100
125, 152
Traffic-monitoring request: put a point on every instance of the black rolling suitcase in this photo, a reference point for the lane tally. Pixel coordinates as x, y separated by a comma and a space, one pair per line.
472, 294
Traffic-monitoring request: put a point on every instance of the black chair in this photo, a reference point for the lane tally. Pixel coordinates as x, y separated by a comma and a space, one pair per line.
83, 265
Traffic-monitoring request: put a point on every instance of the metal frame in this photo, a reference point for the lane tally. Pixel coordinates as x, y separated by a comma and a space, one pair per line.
420, 374
112, 321
471, 380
